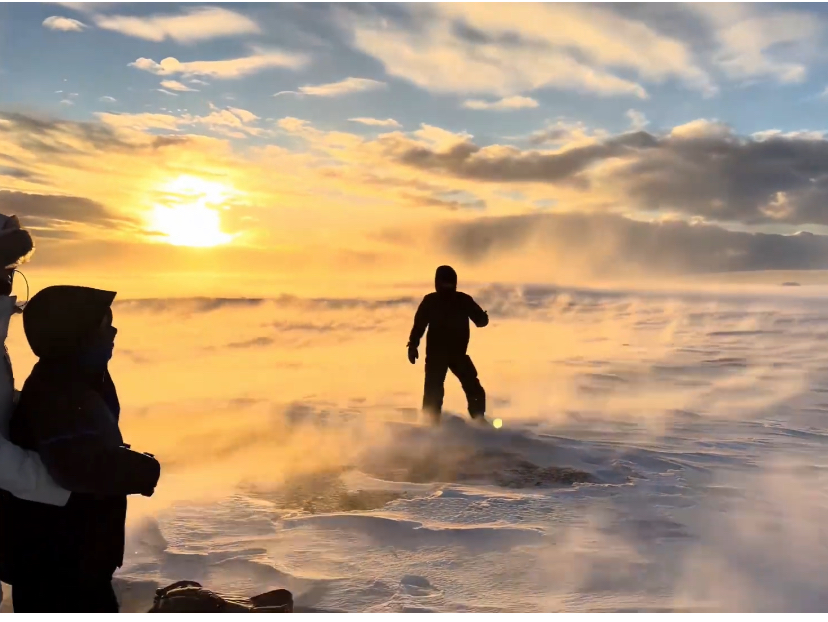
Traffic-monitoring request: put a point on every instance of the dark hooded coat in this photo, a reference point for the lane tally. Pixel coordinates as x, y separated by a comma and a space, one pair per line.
68, 412
446, 313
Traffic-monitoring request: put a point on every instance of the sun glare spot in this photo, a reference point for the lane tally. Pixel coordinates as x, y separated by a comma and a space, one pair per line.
188, 214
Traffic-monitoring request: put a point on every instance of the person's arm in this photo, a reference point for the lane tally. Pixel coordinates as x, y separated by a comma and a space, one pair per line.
73, 451
23, 474
420, 324
476, 313
83, 464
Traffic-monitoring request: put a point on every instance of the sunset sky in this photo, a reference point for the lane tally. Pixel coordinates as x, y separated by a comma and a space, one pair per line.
254, 148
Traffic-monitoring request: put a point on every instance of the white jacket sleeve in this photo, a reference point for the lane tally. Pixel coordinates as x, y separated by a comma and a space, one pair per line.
22, 474
21, 471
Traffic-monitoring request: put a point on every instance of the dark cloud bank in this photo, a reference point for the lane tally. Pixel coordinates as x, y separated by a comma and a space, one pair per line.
702, 169
611, 244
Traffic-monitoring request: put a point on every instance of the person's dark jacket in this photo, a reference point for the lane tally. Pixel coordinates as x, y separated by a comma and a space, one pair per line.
446, 314
68, 412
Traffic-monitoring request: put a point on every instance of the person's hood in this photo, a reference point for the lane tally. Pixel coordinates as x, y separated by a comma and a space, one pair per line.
445, 274
59, 319
7, 310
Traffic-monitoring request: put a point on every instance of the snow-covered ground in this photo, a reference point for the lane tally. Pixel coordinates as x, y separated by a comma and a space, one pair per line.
658, 452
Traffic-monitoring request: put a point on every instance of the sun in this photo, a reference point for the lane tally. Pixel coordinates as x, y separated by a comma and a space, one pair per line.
189, 213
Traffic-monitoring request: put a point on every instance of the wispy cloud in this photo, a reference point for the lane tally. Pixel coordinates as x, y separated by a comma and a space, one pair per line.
343, 87
141, 121
245, 115
480, 49
516, 102
222, 69
232, 122
64, 24
175, 85
754, 43
107, 99
292, 124
166, 92
192, 26
376, 122
69, 100
638, 121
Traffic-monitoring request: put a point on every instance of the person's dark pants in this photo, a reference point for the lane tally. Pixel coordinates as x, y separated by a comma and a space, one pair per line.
436, 367
53, 593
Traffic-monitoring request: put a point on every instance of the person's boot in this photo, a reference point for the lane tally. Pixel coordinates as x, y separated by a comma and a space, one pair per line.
432, 415
477, 408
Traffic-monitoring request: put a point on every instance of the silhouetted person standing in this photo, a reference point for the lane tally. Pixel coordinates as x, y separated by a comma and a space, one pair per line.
62, 558
446, 313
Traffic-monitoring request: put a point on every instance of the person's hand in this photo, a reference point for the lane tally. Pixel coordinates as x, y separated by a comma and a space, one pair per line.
154, 468
413, 355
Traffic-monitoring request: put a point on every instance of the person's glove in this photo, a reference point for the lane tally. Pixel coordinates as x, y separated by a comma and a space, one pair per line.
413, 355
152, 472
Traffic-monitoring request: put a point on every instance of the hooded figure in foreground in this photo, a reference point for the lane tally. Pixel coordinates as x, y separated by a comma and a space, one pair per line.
446, 312
61, 559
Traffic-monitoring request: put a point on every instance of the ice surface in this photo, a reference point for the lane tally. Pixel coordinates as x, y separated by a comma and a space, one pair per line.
658, 453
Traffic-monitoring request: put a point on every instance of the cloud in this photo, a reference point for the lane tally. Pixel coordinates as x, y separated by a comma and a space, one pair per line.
85, 7
107, 99
343, 328
175, 85
57, 139
343, 87
141, 121
63, 24
563, 132
222, 69
480, 49
707, 170
608, 244
375, 122
167, 92
507, 164
245, 115
755, 43
257, 342
701, 168
367, 304
203, 304
235, 122
447, 202
17, 173
222, 120
39, 210
515, 102
69, 100
186, 306
638, 121
194, 25
292, 124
